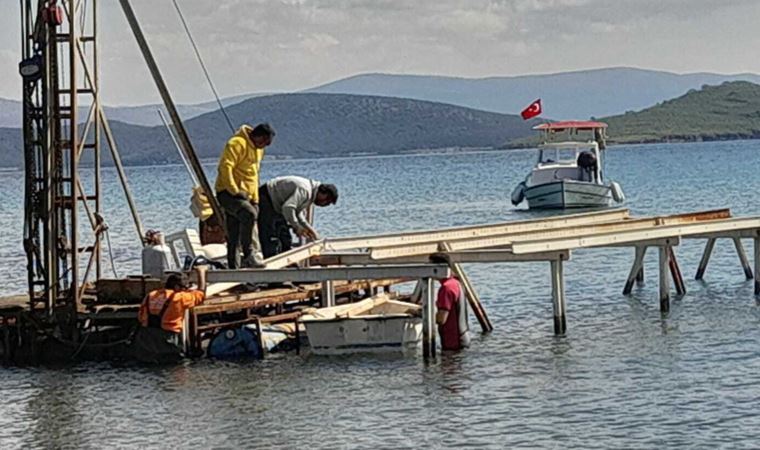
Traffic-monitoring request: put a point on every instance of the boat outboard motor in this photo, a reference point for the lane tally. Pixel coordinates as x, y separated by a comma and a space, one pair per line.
587, 163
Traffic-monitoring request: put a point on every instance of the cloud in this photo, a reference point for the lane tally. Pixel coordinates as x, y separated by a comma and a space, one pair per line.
279, 45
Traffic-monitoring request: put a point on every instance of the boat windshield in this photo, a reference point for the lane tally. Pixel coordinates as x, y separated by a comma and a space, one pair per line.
556, 155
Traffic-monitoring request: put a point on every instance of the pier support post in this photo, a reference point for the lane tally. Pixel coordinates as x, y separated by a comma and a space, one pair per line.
664, 279
743, 258
558, 297
637, 270
328, 294
757, 265
705, 259
469, 289
428, 319
675, 272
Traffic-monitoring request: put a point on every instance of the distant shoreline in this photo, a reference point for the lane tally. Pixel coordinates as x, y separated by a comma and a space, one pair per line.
421, 152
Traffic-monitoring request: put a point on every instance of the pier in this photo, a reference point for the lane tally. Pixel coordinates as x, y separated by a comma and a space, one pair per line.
343, 270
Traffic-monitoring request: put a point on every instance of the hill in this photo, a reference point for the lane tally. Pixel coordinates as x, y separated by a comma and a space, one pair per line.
567, 95
728, 111
317, 125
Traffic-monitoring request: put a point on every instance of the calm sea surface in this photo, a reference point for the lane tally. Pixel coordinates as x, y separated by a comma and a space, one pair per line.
623, 377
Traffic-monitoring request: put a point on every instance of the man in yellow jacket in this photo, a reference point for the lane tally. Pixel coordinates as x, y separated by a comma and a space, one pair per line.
237, 184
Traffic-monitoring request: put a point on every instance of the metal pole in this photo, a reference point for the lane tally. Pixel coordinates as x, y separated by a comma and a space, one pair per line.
184, 139
636, 269
73, 157
328, 293
558, 297
757, 265
122, 175
743, 258
705, 259
664, 279
428, 318
96, 101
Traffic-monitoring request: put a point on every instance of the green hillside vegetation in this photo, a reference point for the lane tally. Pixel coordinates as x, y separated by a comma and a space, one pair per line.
728, 111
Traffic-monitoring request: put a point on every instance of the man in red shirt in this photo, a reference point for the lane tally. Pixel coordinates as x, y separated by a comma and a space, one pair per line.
452, 315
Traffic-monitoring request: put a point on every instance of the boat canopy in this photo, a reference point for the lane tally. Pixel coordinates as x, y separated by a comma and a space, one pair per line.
570, 125
568, 144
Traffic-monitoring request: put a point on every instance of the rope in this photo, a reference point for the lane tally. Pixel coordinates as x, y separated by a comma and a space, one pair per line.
203, 66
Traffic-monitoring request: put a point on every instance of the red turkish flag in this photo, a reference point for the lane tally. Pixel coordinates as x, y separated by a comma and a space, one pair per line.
532, 111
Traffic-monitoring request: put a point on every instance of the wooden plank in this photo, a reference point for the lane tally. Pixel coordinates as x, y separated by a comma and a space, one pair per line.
657, 232
319, 274
295, 255
279, 296
447, 234
463, 256
554, 232
472, 296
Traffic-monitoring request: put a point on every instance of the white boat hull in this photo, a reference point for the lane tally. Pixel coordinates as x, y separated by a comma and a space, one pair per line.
382, 333
568, 194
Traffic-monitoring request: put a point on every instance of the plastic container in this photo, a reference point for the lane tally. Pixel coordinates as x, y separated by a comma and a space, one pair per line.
157, 259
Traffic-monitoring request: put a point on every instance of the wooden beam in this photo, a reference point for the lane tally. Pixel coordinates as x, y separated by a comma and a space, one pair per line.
619, 237
543, 233
319, 274
295, 255
272, 297
472, 296
448, 234
487, 256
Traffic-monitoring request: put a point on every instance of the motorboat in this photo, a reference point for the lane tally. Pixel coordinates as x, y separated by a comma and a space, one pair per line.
569, 171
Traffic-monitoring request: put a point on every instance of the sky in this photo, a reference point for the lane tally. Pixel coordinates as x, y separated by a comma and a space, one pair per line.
288, 45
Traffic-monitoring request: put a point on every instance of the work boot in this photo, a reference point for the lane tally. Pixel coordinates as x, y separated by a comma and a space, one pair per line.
253, 262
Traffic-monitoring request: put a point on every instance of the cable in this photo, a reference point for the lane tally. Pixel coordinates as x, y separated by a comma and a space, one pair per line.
203, 66
110, 254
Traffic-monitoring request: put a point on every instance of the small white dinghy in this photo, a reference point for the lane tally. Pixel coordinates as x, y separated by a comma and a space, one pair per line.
376, 324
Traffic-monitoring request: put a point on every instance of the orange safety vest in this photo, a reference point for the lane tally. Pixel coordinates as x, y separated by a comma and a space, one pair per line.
165, 308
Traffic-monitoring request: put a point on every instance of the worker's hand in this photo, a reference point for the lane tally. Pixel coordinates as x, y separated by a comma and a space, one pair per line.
307, 234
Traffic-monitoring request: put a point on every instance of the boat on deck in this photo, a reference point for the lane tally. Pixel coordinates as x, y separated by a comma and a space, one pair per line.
376, 324
569, 171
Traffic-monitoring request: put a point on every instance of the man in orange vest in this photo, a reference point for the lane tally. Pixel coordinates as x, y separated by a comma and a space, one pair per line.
162, 317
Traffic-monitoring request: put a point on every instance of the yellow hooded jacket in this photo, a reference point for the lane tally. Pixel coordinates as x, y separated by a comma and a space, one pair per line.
239, 165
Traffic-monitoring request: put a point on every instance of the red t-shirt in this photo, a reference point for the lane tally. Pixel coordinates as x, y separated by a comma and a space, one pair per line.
448, 299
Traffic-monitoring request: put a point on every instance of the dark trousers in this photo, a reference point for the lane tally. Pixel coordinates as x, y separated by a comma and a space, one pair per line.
274, 231
155, 345
241, 216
